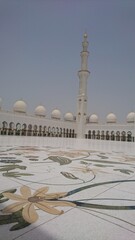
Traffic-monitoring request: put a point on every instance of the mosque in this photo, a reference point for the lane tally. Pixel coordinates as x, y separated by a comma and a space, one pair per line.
18, 122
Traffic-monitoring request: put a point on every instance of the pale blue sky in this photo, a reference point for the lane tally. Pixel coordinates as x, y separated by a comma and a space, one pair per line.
40, 45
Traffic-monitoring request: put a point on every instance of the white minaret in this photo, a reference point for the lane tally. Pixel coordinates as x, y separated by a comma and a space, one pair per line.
82, 96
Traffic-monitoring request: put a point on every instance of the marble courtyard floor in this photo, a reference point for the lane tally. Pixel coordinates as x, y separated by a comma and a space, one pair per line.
57, 193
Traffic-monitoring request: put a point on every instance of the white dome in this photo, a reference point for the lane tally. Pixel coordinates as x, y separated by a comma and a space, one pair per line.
20, 106
111, 118
69, 116
93, 118
131, 117
40, 111
56, 114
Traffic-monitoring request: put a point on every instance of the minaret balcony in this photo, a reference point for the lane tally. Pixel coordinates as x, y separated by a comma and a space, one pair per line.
83, 74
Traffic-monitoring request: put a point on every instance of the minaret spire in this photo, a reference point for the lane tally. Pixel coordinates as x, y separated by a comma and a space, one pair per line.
83, 75
85, 43
84, 53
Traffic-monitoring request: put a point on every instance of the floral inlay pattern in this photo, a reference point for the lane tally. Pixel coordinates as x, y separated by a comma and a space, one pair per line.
50, 185
40, 199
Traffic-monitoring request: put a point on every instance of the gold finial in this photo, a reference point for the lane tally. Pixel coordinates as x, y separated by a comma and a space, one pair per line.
85, 42
85, 35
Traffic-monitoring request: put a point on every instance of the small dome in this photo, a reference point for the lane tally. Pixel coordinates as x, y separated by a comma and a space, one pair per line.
68, 117
20, 106
131, 117
111, 118
40, 111
56, 114
93, 118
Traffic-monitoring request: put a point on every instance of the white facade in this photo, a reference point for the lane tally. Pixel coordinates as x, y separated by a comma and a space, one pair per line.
18, 122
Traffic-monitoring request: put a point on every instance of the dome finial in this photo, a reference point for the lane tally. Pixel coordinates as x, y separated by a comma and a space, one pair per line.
85, 35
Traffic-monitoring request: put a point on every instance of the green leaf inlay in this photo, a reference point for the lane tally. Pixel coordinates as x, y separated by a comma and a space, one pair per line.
60, 160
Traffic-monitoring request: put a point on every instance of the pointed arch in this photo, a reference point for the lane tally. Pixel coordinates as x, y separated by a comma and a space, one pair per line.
11, 128
129, 136
117, 136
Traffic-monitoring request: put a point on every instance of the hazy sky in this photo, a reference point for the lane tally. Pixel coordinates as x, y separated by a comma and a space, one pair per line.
40, 45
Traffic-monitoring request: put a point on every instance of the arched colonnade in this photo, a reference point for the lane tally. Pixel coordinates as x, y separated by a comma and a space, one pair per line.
110, 135
35, 130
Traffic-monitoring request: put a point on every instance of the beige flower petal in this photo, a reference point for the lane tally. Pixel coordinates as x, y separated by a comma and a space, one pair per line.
14, 207
25, 191
60, 203
29, 213
41, 191
14, 196
46, 208
55, 195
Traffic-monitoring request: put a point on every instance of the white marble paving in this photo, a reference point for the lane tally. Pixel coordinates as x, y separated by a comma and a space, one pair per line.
94, 189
